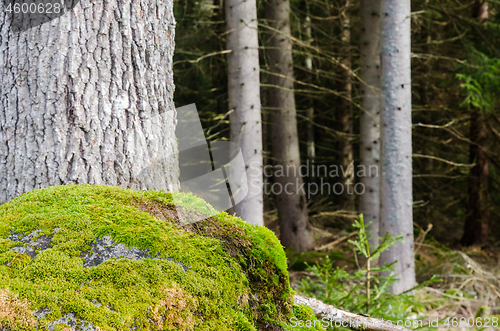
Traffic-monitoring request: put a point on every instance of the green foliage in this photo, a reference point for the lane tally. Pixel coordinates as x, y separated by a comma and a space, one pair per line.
363, 291
200, 74
480, 82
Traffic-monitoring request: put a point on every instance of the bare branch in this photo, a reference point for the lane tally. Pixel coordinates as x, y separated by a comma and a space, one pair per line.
443, 160
347, 319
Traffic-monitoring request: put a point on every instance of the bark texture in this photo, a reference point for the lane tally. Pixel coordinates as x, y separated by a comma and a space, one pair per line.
369, 202
345, 114
295, 230
396, 215
244, 102
80, 98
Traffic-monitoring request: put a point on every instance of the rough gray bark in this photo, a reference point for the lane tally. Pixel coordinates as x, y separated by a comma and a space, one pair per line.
80, 97
244, 101
369, 202
396, 215
295, 230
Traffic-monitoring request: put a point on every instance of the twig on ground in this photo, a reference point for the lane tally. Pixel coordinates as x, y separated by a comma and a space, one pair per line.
352, 321
336, 242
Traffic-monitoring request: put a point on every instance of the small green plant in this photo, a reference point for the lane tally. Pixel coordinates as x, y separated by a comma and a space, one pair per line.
365, 290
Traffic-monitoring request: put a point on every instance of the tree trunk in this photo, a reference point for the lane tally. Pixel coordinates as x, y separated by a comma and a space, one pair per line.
477, 221
244, 101
478, 213
311, 145
311, 148
396, 214
345, 112
369, 203
295, 230
81, 94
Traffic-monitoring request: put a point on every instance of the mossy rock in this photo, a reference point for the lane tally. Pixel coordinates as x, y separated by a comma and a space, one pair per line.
86, 257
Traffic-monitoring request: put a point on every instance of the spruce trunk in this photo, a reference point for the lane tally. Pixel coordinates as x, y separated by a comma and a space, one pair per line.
478, 214
88, 98
244, 102
369, 203
345, 113
295, 230
396, 202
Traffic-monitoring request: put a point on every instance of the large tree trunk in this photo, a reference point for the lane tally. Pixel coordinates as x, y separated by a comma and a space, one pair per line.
369, 203
244, 101
478, 214
80, 97
396, 214
345, 112
295, 230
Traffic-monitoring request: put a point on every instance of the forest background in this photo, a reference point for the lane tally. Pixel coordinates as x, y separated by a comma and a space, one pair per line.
453, 64
391, 107
455, 71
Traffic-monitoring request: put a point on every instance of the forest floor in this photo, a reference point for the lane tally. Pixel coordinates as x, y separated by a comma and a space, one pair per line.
470, 277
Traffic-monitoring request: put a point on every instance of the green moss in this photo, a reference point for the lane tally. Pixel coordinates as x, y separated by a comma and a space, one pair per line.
305, 314
237, 277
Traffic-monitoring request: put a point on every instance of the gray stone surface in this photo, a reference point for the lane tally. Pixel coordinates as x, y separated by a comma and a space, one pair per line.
41, 313
101, 250
105, 249
32, 242
75, 324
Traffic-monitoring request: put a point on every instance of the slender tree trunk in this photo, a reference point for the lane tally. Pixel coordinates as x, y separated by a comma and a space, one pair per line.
311, 145
369, 203
266, 148
295, 230
311, 148
478, 214
396, 214
244, 101
80, 97
476, 223
345, 112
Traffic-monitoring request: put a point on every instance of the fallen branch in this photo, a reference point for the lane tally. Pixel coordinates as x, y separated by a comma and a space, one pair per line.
347, 319
335, 243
